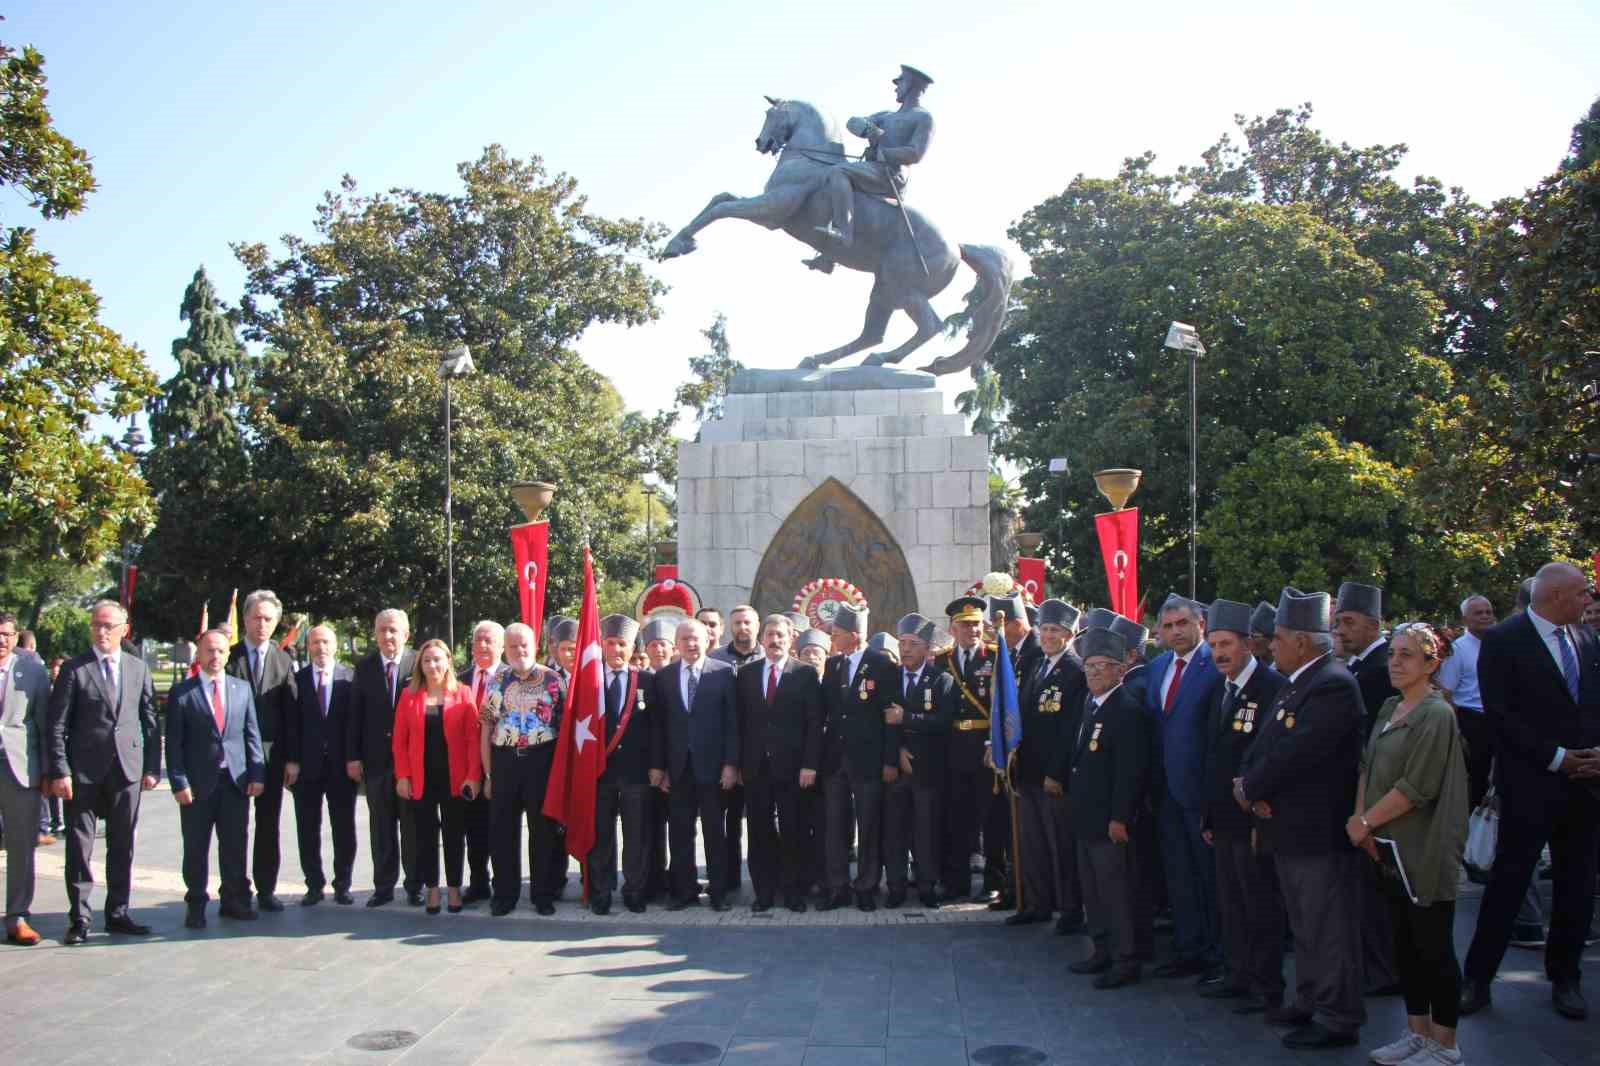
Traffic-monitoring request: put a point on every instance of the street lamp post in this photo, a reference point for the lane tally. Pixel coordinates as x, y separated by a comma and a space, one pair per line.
457, 363
1058, 465
1182, 337
132, 441
649, 527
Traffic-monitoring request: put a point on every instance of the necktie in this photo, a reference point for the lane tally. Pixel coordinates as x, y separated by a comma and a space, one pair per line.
1229, 700
388, 680
1172, 689
477, 696
907, 685
111, 678
694, 683
1569, 663
322, 693
255, 667
217, 711
614, 694
772, 682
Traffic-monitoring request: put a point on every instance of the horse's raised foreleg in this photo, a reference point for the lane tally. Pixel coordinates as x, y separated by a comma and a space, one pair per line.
928, 326
879, 308
765, 210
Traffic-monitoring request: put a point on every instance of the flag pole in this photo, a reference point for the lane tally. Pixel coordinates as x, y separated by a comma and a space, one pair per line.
1016, 839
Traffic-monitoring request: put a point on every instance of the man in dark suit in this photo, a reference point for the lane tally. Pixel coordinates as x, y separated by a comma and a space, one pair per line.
270, 674
969, 788
1183, 689
1109, 778
743, 647
780, 740
315, 769
103, 751
1358, 633
488, 661
369, 749
24, 703
1051, 703
860, 755
1299, 780
913, 805
623, 790
1539, 675
1252, 920
215, 761
695, 759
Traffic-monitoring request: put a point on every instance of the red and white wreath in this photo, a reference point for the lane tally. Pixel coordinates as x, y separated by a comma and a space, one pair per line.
820, 600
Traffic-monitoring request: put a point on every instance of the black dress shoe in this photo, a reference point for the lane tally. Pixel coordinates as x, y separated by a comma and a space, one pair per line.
832, 901
474, 894
415, 898
895, 898
269, 903
720, 903
544, 907
121, 923
929, 900
678, 903
1567, 998
1312, 1036
1069, 924
866, 902
77, 933
312, 897
378, 899
600, 906
501, 907
1026, 918
1252, 1003
634, 904
1223, 990
1474, 996
1099, 962
195, 918
760, 907
342, 897
1289, 1016
1118, 978
237, 911
1179, 968
796, 904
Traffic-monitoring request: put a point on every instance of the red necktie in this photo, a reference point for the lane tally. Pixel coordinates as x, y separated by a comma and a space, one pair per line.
1172, 689
217, 711
478, 696
772, 681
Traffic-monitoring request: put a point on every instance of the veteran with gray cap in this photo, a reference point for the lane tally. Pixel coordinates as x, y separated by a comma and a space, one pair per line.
913, 804
1299, 780
1358, 632
1262, 622
623, 791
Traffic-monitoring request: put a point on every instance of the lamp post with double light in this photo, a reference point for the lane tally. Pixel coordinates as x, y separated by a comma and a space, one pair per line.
456, 363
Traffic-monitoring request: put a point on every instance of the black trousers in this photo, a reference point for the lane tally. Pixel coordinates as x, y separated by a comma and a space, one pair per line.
476, 815
1477, 734
780, 836
968, 797
433, 816
1425, 948
266, 856
116, 799
1571, 826
1322, 899
912, 823
733, 802
517, 792
1119, 913
656, 883
338, 792
1252, 917
855, 803
391, 835
814, 805
997, 844
1049, 860
633, 803
692, 799
224, 812
1378, 966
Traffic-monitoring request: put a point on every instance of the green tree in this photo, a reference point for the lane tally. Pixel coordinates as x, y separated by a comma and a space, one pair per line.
712, 371
197, 465
986, 406
64, 493
347, 422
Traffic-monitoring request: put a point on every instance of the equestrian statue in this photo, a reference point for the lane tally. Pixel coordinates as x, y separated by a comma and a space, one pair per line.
853, 212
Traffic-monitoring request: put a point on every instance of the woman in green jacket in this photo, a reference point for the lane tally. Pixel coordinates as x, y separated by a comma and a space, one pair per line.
1413, 793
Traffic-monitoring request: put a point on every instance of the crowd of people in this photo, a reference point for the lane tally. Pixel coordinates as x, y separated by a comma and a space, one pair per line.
1292, 771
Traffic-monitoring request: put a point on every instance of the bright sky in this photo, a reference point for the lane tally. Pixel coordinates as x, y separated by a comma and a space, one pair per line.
215, 122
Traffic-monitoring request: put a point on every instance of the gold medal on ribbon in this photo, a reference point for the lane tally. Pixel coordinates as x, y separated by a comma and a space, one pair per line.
1237, 725
1094, 745
1288, 723
927, 700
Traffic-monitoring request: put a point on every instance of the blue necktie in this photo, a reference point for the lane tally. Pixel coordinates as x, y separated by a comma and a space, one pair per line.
614, 695
1569, 664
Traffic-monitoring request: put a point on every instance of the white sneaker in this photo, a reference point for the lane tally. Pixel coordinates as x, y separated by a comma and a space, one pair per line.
1433, 1053
1400, 1051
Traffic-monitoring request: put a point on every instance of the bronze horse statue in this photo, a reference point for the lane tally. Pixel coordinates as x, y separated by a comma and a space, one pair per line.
910, 260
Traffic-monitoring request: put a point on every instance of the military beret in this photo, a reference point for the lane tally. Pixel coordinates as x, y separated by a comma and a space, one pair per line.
1013, 605
1362, 599
1229, 615
813, 638
1058, 613
1106, 643
1132, 633
618, 626
1302, 611
1264, 620
851, 619
914, 625
1099, 618
661, 628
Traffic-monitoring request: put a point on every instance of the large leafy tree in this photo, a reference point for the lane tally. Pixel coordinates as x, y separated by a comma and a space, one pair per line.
65, 493
347, 417
712, 371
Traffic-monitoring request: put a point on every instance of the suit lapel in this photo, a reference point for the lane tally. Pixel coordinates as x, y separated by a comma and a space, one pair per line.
1543, 655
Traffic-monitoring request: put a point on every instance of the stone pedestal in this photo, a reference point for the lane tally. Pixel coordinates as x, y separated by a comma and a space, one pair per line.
845, 481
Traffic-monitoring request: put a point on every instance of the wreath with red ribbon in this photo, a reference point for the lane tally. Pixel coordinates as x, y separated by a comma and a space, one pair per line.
819, 600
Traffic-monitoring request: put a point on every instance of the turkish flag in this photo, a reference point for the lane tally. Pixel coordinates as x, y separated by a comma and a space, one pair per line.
530, 548
1119, 547
1030, 575
580, 750
666, 572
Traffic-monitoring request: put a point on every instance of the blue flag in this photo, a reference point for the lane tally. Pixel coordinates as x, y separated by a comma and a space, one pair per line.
1005, 720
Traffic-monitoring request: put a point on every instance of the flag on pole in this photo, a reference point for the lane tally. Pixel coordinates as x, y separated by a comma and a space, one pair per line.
233, 617
205, 624
1005, 718
580, 750
1119, 548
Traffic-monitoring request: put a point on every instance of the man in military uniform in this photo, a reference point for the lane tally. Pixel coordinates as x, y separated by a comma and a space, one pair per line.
895, 140
1051, 703
623, 790
561, 646
969, 790
861, 754
912, 809
657, 637
811, 648
1261, 627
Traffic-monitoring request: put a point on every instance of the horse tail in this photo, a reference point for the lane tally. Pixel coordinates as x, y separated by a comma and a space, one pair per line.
989, 301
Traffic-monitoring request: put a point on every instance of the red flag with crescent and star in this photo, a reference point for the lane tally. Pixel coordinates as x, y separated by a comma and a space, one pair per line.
1119, 547
530, 548
581, 750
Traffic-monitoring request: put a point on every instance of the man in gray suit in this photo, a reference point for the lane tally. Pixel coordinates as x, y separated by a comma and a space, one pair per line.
101, 752
24, 695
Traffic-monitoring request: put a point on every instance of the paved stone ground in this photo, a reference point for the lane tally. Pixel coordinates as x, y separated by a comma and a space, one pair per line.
886, 989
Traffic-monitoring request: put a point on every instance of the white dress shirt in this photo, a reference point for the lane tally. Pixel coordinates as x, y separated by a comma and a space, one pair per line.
1172, 670
1306, 666
684, 672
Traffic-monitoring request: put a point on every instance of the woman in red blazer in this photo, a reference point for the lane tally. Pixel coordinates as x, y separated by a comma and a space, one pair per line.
436, 763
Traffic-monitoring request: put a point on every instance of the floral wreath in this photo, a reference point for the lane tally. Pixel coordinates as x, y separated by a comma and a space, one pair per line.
997, 583
819, 600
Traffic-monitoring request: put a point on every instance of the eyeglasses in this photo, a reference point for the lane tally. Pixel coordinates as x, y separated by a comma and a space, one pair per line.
1101, 666
105, 625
